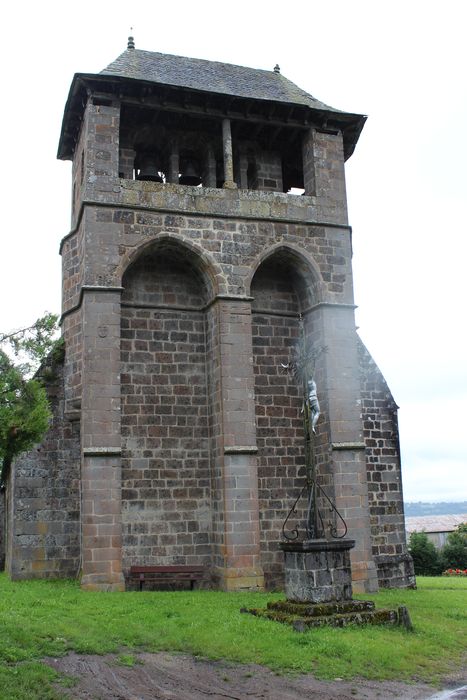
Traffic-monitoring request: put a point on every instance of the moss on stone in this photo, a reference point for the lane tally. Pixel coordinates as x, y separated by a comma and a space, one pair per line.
287, 613
320, 609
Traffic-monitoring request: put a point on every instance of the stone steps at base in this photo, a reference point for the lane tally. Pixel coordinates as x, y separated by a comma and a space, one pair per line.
321, 609
301, 624
374, 617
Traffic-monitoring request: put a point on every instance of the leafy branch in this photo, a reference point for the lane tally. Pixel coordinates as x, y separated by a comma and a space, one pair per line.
24, 407
32, 343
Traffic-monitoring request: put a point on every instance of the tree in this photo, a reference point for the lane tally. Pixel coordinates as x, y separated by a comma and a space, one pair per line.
24, 408
454, 552
426, 559
32, 344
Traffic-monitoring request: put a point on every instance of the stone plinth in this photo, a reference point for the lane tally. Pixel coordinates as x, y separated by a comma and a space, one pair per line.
318, 571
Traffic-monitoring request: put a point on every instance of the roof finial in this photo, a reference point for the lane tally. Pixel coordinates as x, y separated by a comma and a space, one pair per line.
131, 41
277, 68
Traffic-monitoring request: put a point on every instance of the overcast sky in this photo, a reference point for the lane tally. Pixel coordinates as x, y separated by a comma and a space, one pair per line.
401, 63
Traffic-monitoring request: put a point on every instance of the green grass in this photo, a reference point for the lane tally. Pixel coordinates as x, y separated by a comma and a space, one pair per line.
50, 618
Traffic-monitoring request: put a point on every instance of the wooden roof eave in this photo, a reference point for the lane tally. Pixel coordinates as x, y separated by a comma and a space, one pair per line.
256, 110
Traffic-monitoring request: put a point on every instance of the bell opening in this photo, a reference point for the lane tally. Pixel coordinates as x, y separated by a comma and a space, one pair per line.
190, 172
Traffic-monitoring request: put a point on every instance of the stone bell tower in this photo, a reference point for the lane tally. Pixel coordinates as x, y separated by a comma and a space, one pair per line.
208, 218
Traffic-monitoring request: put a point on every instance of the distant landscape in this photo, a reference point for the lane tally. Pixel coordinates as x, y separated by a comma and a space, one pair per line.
444, 508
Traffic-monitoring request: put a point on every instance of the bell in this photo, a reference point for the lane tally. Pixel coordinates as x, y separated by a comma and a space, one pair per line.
189, 174
148, 169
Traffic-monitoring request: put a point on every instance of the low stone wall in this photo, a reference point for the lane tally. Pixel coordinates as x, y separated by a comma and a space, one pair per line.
395, 571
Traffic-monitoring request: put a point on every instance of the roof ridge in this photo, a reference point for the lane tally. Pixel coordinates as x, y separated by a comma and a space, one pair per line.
192, 58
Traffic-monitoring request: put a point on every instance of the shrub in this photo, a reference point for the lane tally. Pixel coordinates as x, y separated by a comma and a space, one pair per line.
24, 407
426, 559
454, 552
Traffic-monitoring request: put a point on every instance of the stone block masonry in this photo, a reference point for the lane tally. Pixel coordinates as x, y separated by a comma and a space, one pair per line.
198, 376
42, 498
166, 478
383, 472
183, 405
318, 571
176, 437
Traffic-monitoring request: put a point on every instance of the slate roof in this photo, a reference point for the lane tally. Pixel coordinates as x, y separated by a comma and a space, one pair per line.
434, 523
199, 75
211, 76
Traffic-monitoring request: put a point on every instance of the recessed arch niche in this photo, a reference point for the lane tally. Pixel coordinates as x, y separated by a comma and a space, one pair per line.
284, 288
166, 495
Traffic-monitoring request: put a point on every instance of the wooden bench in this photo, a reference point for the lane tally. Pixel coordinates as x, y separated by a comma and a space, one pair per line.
167, 574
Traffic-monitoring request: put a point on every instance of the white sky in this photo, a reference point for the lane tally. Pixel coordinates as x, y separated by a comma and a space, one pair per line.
402, 63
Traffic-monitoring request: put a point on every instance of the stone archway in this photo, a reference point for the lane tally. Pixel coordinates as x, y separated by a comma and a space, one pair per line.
166, 495
283, 287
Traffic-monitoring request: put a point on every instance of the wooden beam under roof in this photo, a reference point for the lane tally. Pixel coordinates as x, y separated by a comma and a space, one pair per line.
216, 105
293, 117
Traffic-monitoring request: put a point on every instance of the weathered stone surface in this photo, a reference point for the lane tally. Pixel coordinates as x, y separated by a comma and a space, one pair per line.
180, 303
43, 511
303, 617
318, 571
383, 470
321, 609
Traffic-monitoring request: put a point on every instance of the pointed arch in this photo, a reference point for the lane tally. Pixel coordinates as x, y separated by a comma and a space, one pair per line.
172, 245
299, 264
284, 283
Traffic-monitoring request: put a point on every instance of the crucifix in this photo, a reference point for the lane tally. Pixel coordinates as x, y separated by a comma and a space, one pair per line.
302, 367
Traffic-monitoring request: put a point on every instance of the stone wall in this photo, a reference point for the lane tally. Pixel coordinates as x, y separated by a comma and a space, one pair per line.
179, 305
269, 171
224, 252
379, 413
43, 498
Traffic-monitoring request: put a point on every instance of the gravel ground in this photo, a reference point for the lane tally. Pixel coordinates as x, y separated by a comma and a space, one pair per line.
179, 677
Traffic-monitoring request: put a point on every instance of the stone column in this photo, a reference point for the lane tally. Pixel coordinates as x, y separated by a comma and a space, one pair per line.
228, 157
324, 174
101, 442
174, 162
127, 163
102, 139
308, 157
239, 564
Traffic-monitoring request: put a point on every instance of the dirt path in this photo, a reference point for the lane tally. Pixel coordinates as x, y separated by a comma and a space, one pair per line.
178, 677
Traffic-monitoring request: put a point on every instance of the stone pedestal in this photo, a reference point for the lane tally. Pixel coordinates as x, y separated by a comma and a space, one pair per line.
318, 571
318, 586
